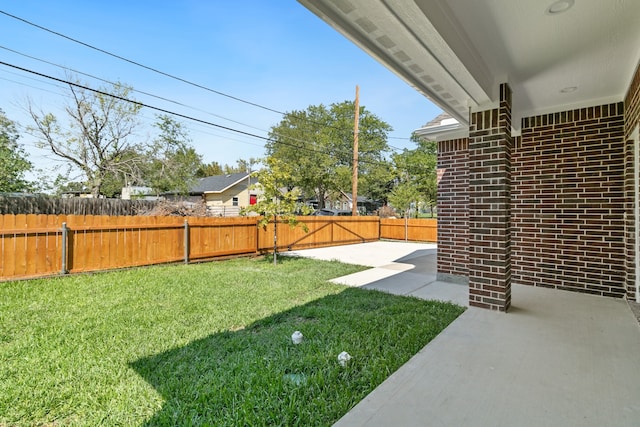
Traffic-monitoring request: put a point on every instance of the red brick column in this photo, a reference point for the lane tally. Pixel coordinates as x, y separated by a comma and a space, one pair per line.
490, 146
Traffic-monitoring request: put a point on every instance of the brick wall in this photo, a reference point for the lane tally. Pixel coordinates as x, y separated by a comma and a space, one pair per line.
453, 212
490, 146
632, 119
568, 201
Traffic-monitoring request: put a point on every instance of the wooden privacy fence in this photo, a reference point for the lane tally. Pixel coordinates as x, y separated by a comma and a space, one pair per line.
44, 245
322, 231
415, 230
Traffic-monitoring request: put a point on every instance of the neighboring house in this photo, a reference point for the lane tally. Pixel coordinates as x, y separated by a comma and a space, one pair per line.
132, 192
539, 177
345, 202
224, 195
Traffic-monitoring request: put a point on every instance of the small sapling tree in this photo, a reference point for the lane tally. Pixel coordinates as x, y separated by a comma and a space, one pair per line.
278, 200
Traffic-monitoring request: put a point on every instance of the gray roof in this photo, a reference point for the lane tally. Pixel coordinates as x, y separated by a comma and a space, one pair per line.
438, 120
217, 183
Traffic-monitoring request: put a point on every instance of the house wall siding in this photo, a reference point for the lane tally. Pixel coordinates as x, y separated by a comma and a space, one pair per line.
226, 197
568, 201
632, 119
453, 210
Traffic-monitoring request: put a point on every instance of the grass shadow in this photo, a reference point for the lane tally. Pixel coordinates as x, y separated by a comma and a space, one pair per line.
257, 376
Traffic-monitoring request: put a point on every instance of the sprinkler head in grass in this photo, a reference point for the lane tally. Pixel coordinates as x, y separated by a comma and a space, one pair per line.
296, 337
296, 379
343, 358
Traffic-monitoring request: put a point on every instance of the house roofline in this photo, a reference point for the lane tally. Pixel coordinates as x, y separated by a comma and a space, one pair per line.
228, 186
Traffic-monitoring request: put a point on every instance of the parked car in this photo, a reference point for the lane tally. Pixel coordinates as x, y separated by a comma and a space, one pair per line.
332, 212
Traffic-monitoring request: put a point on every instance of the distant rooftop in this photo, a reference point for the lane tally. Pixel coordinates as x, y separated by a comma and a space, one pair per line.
217, 183
442, 124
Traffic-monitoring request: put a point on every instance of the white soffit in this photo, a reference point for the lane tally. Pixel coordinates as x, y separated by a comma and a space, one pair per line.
456, 52
593, 47
399, 35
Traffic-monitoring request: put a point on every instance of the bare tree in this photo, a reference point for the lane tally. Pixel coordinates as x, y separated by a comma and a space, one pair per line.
99, 138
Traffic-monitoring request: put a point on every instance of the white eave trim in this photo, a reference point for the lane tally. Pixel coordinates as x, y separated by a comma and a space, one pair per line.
444, 132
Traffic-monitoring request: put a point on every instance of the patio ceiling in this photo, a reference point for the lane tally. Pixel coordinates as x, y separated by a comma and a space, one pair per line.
457, 52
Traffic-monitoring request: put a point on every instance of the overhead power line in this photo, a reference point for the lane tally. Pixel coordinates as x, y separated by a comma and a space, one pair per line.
133, 89
138, 91
155, 70
162, 110
130, 61
120, 98
197, 121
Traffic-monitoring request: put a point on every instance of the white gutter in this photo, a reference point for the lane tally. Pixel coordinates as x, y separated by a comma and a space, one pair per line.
443, 132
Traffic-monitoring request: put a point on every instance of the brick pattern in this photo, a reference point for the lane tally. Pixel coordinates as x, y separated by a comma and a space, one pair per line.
632, 119
490, 146
568, 200
453, 213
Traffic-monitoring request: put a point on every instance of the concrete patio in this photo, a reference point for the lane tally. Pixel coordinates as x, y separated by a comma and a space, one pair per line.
556, 358
397, 267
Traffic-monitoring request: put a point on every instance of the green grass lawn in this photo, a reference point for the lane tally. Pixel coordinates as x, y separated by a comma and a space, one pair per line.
202, 344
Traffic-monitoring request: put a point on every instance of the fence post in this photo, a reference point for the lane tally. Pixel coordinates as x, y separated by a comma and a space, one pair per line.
186, 241
257, 236
406, 227
65, 242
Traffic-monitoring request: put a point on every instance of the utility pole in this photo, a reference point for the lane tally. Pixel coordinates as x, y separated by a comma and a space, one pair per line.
354, 179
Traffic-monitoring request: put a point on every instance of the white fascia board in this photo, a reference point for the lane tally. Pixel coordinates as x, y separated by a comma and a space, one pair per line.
444, 132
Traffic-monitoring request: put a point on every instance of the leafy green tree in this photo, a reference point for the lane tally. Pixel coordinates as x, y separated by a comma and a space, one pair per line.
418, 166
97, 137
214, 168
173, 163
318, 144
13, 159
377, 181
209, 169
403, 196
242, 165
277, 202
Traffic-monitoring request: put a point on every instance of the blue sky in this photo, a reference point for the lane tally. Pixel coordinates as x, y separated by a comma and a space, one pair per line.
273, 53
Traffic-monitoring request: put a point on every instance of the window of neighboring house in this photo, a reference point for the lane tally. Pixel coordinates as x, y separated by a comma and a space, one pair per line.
253, 199
235, 201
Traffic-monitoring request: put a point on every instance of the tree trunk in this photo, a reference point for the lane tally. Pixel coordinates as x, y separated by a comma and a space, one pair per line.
95, 190
321, 199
